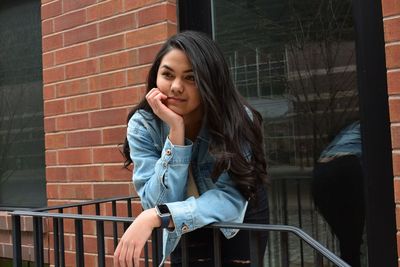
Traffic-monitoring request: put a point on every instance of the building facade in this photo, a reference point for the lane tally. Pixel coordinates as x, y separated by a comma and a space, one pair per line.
72, 69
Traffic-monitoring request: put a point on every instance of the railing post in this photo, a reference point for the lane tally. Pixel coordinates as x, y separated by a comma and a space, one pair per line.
100, 243
184, 251
38, 240
56, 243
61, 239
217, 247
255, 253
115, 227
16, 236
156, 245
284, 249
79, 253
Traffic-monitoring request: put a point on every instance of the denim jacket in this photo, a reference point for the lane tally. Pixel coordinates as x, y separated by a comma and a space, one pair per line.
347, 142
160, 176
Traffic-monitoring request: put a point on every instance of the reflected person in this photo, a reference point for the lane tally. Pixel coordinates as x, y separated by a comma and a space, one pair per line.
338, 191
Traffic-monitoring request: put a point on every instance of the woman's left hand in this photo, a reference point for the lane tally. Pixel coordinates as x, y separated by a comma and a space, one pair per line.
134, 239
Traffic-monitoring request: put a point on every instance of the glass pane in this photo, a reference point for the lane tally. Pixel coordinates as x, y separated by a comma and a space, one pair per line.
294, 61
22, 170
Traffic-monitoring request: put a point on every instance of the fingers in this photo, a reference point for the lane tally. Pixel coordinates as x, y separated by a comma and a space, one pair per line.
127, 255
154, 98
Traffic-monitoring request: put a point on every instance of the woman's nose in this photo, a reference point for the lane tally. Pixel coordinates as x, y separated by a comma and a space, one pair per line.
177, 86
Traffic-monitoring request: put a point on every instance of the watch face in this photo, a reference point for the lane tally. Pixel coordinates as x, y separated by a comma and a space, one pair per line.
163, 209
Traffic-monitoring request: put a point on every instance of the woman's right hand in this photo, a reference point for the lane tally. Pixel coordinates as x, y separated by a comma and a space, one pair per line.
175, 121
155, 99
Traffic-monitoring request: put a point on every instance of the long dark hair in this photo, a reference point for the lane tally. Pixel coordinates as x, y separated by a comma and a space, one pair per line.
232, 131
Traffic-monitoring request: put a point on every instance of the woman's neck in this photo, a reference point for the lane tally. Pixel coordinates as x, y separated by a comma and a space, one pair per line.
192, 130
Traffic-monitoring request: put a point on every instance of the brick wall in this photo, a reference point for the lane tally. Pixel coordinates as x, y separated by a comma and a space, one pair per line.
391, 19
96, 54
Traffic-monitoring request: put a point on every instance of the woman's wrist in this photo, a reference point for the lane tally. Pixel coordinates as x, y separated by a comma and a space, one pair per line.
177, 135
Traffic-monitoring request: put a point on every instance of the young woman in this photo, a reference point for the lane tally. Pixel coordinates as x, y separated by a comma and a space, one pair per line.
197, 151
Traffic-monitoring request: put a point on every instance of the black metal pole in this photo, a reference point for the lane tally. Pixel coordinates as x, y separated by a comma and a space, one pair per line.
16, 236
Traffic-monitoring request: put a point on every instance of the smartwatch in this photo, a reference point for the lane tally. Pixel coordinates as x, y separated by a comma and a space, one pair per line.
164, 213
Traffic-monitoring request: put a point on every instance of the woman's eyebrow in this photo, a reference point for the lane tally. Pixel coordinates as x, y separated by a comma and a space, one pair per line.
171, 69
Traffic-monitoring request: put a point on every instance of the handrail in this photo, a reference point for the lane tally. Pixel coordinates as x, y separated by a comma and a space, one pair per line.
241, 226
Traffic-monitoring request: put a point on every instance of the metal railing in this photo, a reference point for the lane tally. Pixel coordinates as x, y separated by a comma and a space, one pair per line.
58, 219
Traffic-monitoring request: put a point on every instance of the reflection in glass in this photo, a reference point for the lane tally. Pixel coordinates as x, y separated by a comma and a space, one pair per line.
22, 181
295, 63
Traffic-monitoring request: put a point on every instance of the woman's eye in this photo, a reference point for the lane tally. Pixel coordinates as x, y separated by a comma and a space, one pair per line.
190, 78
167, 75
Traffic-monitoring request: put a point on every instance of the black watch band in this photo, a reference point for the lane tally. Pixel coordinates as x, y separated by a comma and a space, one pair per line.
164, 214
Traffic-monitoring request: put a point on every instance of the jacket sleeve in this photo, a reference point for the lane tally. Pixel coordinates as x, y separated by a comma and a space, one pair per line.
157, 177
224, 203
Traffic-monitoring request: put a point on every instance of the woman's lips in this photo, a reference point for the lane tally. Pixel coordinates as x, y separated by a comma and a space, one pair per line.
175, 100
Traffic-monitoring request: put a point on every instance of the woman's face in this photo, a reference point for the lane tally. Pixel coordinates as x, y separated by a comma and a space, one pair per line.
176, 80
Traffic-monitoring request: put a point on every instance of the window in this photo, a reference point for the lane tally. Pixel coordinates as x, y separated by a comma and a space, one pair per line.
22, 168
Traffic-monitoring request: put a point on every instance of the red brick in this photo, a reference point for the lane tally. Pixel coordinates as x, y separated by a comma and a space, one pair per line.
47, 27
48, 60
118, 24
392, 30
49, 92
51, 10
390, 7
71, 122
54, 107
398, 244
107, 45
5, 237
80, 69
135, 4
150, 35
70, 20
52, 42
393, 56
119, 60
148, 53
121, 97
393, 80
57, 174
85, 173
53, 75
76, 191
71, 53
158, 13
114, 135
84, 138
72, 88
108, 117
107, 155
394, 109
52, 191
69, 5
75, 156
80, 34
49, 125
103, 10
395, 130
81, 103
138, 75
396, 164
51, 158
107, 81
117, 173
110, 190
53, 141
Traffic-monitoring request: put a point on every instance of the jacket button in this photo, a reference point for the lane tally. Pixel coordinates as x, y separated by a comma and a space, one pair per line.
185, 228
168, 152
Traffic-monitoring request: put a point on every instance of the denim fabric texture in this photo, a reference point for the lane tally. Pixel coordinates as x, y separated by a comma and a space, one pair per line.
160, 176
348, 141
